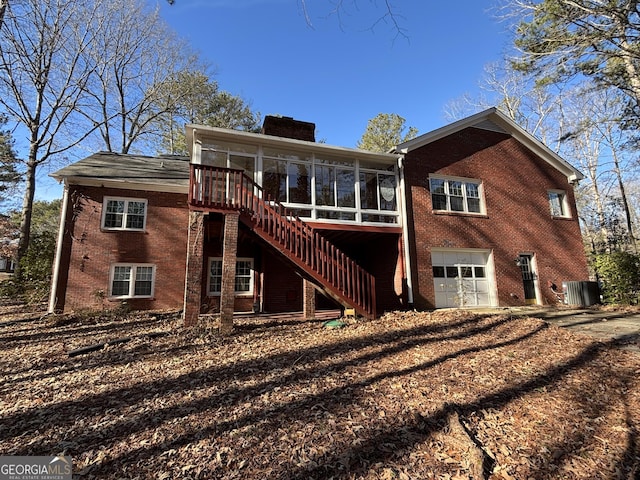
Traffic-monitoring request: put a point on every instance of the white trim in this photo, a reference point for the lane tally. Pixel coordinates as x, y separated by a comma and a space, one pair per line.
56, 262
127, 185
132, 280
127, 200
402, 205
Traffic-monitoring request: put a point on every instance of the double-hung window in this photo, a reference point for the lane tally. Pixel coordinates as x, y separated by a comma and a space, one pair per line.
124, 213
456, 195
244, 276
558, 203
132, 280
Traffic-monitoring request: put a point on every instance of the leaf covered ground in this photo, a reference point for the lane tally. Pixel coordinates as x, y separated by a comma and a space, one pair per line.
446, 395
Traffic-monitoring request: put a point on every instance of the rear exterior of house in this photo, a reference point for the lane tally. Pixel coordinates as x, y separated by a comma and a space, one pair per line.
478, 213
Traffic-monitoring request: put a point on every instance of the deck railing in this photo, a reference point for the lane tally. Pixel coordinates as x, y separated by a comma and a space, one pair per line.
223, 189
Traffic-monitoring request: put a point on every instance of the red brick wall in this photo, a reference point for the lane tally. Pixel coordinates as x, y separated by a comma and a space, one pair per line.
89, 252
517, 216
282, 286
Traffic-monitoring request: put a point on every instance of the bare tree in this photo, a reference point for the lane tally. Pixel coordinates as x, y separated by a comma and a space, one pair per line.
583, 124
3, 8
388, 14
134, 54
533, 106
193, 97
42, 79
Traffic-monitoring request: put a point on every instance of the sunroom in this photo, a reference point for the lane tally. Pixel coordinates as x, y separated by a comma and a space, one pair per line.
314, 181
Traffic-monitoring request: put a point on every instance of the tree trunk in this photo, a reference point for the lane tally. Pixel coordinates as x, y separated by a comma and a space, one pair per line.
27, 209
3, 8
625, 202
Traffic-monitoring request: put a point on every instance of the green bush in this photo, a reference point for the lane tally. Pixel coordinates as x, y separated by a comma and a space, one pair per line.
35, 271
619, 273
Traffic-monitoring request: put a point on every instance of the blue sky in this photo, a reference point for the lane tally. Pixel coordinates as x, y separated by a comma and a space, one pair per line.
339, 73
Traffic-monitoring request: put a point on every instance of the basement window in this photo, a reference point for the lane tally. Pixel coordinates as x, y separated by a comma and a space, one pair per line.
132, 280
244, 276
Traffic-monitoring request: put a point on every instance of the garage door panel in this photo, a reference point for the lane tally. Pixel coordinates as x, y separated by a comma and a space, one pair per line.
465, 282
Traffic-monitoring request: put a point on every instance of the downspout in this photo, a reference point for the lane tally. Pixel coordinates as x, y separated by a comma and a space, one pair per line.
56, 263
405, 232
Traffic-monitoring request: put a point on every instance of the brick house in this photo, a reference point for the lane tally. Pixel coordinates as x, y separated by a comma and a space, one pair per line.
477, 213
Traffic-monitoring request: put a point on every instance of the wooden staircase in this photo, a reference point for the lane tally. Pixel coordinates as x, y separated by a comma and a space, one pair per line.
318, 260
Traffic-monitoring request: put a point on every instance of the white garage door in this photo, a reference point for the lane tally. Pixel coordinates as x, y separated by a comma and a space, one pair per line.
462, 278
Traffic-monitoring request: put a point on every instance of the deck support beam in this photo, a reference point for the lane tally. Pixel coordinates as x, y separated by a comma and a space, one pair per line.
193, 281
228, 287
308, 300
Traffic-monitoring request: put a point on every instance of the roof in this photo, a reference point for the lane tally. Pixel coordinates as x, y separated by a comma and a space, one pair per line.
203, 132
162, 173
494, 120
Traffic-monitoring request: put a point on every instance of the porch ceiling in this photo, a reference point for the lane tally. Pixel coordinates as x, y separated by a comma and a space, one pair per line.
351, 238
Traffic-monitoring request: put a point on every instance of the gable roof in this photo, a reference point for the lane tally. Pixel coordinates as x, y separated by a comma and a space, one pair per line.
163, 173
494, 120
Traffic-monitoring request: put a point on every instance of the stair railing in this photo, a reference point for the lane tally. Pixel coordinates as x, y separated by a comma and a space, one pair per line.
222, 189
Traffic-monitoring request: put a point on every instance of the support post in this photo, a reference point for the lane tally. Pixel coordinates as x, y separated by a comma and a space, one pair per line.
308, 300
228, 287
193, 277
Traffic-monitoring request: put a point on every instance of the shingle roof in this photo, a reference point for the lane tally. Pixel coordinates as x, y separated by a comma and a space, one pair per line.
116, 168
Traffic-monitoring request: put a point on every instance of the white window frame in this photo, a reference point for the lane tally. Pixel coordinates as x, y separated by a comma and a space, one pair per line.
564, 203
478, 183
132, 280
236, 292
126, 201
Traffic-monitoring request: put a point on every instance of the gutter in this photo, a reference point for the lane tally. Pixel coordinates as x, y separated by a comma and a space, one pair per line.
405, 232
56, 263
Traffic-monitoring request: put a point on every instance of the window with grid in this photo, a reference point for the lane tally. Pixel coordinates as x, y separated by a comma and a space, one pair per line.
124, 214
456, 195
132, 280
244, 276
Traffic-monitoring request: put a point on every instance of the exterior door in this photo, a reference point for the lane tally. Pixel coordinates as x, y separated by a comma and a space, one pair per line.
462, 278
528, 278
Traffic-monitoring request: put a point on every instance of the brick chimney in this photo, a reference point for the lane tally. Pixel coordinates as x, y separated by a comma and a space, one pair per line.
289, 128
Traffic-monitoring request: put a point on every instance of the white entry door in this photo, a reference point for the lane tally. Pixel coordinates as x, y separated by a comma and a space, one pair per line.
462, 278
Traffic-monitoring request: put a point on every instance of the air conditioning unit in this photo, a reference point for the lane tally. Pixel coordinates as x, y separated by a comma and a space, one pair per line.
581, 293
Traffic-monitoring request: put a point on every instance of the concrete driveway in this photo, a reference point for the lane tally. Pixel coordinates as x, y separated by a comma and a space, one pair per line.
621, 327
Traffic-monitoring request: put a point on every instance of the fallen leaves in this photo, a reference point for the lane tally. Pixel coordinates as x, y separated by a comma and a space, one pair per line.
291, 399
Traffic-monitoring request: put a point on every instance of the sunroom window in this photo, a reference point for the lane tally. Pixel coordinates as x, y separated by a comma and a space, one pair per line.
377, 191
